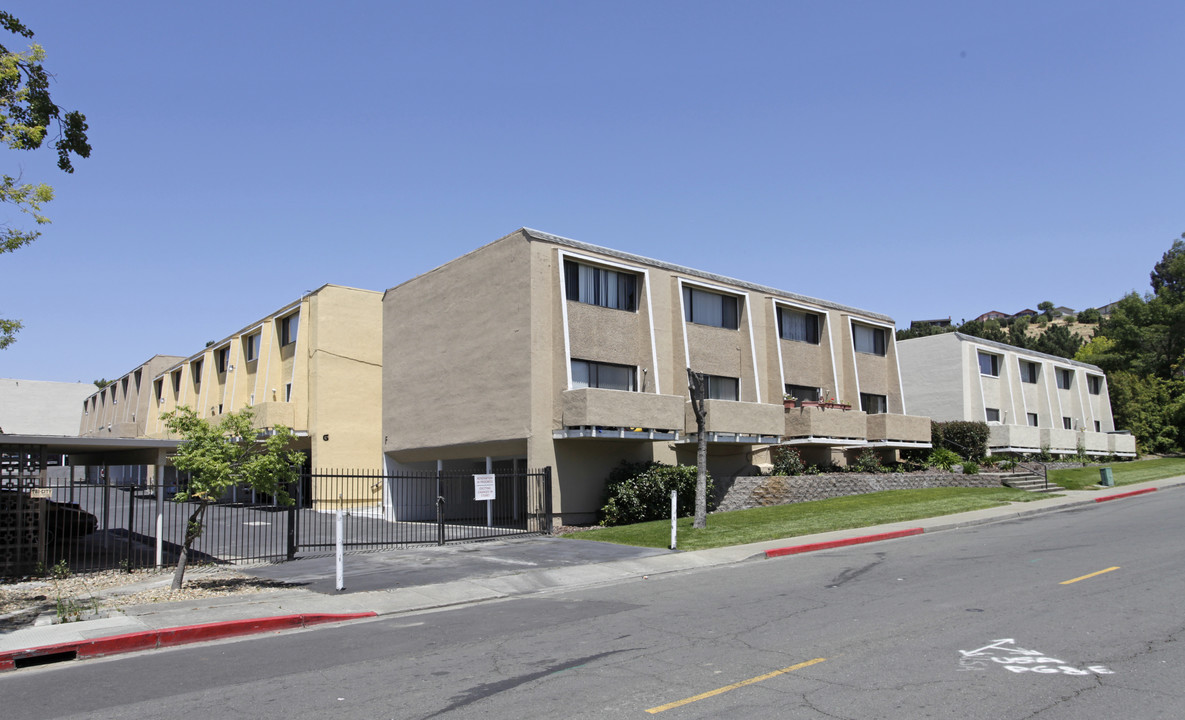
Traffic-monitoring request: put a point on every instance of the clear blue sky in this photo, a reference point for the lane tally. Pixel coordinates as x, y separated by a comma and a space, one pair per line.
918, 159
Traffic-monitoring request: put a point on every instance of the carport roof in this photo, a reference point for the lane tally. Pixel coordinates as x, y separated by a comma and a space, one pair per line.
89, 450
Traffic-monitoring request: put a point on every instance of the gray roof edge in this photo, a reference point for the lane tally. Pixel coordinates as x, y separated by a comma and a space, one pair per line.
568, 242
1012, 348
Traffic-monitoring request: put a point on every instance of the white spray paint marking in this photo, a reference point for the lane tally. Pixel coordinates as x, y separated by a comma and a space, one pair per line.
1015, 659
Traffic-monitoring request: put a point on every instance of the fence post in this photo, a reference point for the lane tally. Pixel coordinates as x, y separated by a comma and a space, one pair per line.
127, 551
159, 472
439, 516
292, 519
547, 500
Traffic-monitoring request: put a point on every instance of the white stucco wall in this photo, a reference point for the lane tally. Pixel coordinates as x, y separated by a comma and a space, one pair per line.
38, 407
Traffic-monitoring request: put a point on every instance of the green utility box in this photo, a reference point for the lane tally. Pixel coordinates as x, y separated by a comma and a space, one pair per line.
1106, 479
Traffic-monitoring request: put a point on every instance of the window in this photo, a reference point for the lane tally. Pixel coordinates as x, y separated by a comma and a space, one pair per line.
723, 388
607, 376
798, 326
288, 392
288, 327
873, 404
1067, 423
1064, 378
708, 308
989, 364
1032, 419
159, 389
251, 347
598, 286
221, 359
1098, 426
1094, 384
1028, 371
195, 369
992, 414
869, 340
803, 393
176, 381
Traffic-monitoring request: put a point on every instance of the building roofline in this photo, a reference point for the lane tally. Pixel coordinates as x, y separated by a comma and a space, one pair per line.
539, 235
1009, 348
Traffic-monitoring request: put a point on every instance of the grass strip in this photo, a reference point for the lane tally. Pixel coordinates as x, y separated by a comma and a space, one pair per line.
786, 521
1125, 473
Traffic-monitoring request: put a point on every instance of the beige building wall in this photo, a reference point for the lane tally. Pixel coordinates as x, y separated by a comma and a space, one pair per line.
478, 362
123, 408
314, 365
39, 407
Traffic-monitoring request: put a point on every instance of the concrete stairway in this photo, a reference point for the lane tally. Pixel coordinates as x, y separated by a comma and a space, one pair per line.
1029, 481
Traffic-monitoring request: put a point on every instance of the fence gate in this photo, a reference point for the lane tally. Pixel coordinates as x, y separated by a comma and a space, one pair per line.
417, 508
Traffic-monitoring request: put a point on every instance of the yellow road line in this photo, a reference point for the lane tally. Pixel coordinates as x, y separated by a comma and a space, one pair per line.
1084, 577
734, 686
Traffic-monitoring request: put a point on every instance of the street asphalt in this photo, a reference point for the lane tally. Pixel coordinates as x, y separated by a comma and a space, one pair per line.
408, 580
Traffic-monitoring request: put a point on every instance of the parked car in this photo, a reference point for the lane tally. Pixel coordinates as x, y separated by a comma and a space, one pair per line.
63, 521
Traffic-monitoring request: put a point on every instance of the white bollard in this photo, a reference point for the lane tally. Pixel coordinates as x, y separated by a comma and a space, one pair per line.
340, 556
674, 504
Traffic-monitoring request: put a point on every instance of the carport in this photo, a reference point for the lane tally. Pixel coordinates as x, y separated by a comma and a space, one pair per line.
39, 475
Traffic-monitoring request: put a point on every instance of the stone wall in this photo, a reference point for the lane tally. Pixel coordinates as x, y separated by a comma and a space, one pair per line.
750, 492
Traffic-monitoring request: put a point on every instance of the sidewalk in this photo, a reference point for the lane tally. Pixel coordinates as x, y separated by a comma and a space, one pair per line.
407, 580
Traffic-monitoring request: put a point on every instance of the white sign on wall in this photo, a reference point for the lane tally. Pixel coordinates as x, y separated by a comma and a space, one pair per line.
483, 487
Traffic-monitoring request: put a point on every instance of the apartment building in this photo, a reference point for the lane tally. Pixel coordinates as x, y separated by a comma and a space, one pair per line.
312, 365
537, 350
122, 409
1030, 400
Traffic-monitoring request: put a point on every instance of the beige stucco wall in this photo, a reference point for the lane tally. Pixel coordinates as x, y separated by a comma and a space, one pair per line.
457, 348
333, 367
126, 407
39, 407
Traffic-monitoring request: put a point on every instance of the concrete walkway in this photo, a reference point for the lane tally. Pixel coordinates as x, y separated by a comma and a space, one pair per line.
401, 581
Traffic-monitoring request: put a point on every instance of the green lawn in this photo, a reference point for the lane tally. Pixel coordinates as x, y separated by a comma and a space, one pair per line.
1125, 473
787, 521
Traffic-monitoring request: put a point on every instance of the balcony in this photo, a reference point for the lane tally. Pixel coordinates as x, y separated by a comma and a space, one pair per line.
734, 421
1014, 438
1121, 443
823, 426
596, 407
1095, 443
271, 414
1060, 442
901, 430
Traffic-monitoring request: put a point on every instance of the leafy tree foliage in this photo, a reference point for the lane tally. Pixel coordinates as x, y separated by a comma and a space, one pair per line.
1057, 340
1046, 309
1089, 316
1169, 273
27, 116
231, 453
1141, 346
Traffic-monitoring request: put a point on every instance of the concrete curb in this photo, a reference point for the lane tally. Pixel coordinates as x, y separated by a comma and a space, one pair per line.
167, 637
810, 547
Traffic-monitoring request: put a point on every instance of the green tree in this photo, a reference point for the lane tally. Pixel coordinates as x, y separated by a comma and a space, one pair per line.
1018, 332
1089, 316
1169, 273
231, 453
1057, 340
27, 117
988, 330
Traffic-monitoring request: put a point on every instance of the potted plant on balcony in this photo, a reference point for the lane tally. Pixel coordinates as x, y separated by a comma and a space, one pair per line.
789, 401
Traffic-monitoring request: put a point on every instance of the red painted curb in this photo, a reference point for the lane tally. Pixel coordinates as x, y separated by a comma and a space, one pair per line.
795, 549
1126, 494
170, 637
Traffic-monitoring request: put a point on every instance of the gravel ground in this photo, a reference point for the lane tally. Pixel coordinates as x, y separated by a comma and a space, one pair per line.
80, 597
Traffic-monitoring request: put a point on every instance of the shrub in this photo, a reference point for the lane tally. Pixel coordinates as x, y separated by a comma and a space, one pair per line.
1045, 455
868, 462
1089, 315
1007, 464
788, 461
966, 438
942, 458
637, 492
970, 467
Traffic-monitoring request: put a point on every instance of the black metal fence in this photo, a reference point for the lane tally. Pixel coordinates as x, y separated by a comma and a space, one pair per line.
99, 526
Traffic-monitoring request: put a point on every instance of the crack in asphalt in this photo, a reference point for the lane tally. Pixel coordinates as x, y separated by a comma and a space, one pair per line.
485, 690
